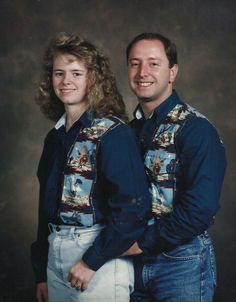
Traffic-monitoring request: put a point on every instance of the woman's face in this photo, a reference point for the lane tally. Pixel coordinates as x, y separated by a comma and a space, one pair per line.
70, 80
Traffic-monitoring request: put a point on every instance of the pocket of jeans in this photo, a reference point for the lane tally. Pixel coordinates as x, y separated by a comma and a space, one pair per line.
50, 238
185, 252
84, 241
213, 264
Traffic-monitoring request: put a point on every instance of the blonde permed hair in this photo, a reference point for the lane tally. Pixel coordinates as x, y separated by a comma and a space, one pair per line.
103, 96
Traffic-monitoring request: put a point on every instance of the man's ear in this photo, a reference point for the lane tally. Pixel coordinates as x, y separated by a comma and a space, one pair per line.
173, 72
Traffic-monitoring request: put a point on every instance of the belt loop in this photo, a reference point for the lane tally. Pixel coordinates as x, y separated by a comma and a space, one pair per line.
73, 231
50, 227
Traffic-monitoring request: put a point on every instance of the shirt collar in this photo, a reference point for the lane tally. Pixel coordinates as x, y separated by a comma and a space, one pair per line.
162, 110
61, 122
85, 120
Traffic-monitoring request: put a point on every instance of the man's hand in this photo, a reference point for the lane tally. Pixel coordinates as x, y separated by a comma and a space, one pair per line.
42, 292
133, 250
80, 275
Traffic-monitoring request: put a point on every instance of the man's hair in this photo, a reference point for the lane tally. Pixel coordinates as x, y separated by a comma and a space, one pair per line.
103, 96
170, 47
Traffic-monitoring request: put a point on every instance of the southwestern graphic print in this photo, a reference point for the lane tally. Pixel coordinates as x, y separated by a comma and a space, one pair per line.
161, 159
80, 174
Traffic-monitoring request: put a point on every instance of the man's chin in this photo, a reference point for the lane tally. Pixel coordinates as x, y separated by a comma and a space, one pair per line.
145, 99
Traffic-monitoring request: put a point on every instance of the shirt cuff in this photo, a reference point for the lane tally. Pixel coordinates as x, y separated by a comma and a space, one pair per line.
151, 243
93, 260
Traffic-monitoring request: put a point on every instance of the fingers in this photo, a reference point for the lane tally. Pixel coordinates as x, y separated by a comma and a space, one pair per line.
79, 284
75, 283
45, 297
80, 275
42, 292
84, 286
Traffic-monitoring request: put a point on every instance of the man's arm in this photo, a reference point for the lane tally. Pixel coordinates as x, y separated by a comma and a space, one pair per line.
133, 250
202, 168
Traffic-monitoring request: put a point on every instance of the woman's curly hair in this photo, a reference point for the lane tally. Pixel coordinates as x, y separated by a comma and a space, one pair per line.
103, 96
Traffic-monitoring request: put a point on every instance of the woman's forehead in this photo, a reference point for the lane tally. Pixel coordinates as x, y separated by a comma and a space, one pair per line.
66, 59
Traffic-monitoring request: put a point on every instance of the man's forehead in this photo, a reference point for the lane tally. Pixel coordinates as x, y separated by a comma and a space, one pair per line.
147, 46
151, 50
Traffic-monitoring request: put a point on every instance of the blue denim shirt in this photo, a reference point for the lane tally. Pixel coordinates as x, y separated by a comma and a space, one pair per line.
199, 174
120, 193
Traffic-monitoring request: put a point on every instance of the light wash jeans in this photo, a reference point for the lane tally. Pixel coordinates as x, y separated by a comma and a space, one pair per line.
185, 274
113, 282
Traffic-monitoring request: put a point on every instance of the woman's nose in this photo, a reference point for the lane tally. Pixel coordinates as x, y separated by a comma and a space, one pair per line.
66, 78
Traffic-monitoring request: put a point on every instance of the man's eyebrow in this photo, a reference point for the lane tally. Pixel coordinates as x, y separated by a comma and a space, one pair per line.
155, 58
151, 59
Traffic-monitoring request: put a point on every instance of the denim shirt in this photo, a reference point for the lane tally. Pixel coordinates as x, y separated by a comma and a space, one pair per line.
120, 197
198, 173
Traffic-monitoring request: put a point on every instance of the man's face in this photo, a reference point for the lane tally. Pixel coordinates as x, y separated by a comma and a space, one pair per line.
149, 74
69, 79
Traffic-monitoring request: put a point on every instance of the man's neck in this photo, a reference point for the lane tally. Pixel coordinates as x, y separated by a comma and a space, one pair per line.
149, 107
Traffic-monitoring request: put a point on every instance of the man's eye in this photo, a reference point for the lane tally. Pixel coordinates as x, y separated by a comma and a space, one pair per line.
134, 64
155, 64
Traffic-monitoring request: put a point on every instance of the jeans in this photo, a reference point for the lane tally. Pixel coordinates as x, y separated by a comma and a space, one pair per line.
185, 274
113, 282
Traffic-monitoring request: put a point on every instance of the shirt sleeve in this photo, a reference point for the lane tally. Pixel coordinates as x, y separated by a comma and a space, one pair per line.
39, 248
39, 251
202, 168
125, 188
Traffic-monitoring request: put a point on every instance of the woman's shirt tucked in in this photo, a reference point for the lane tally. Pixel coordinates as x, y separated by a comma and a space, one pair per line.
110, 169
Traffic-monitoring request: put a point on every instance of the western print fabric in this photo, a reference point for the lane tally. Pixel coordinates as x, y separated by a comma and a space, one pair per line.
80, 173
161, 159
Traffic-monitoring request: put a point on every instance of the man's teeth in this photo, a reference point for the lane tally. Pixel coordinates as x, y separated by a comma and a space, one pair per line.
144, 84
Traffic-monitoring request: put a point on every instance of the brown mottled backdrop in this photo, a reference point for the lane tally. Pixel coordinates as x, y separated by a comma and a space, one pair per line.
205, 33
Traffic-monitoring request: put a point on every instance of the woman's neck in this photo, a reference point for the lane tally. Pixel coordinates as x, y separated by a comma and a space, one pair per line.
73, 113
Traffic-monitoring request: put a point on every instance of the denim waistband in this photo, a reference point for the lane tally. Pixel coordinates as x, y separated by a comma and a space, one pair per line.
66, 230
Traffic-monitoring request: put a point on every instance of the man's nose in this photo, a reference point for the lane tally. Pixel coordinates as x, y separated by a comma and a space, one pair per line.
143, 70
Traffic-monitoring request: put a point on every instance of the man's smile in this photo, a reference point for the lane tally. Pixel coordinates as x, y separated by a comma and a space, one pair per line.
144, 83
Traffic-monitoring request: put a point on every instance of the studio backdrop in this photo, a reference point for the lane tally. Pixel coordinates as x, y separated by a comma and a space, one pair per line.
205, 34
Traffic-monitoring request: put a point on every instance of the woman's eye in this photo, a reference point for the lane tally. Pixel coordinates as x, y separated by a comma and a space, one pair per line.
77, 74
58, 74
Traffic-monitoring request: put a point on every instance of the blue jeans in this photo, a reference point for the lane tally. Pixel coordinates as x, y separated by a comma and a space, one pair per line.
185, 274
113, 282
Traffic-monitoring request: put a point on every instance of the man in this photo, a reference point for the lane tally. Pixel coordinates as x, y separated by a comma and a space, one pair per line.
185, 163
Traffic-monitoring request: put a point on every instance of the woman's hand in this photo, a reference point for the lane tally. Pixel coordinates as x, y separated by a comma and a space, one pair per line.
42, 292
80, 275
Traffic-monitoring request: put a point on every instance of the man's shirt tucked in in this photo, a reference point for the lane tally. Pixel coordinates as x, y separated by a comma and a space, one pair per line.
193, 168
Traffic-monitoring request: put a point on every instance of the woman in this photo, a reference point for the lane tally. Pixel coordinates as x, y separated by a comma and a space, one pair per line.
94, 196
